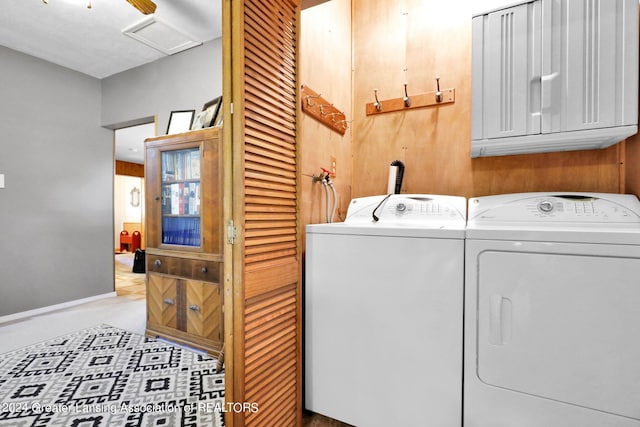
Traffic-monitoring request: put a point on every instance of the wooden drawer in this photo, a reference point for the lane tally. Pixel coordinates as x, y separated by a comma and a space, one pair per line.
207, 271
163, 264
196, 269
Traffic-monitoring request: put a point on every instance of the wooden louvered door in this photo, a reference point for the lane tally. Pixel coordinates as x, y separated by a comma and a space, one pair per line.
263, 326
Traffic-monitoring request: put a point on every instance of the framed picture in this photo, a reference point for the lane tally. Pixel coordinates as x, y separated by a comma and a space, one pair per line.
180, 121
217, 121
198, 122
211, 111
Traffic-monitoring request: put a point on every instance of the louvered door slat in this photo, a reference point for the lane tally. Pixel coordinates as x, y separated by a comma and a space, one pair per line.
271, 254
272, 74
268, 116
270, 132
257, 225
259, 24
286, 152
272, 53
278, 15
256, 81
275, 397
272, 249
257, 210
270, 185
265, 151
261, 192
271, 216
280, 364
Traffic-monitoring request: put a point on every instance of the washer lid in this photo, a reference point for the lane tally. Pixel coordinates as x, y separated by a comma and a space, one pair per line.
425, 210
562, 216
411, 215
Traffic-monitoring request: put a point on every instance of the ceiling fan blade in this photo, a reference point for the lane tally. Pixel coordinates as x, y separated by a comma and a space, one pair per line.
145, 6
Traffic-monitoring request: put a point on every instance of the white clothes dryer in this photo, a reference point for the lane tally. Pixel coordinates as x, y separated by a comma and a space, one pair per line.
552, 311
383, 312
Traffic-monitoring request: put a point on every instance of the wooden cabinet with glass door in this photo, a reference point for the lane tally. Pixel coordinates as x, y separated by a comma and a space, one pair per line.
183, 179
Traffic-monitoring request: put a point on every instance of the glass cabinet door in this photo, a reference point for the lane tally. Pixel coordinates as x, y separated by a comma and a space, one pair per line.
180, 177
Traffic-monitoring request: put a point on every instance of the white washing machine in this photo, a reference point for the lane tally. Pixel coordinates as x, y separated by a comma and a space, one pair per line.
383, 312
552, 311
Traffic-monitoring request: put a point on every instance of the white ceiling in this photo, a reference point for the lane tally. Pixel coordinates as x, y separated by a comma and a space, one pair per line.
130, 142
67, 33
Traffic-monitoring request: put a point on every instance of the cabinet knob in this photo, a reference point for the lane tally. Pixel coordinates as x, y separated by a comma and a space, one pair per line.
157, 198
168, 301
194, 307
204, 269
157, 263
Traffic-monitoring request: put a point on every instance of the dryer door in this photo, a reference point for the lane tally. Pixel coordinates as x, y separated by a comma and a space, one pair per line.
562, 327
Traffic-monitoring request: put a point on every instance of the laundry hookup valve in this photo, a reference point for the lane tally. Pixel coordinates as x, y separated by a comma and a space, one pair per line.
325, 178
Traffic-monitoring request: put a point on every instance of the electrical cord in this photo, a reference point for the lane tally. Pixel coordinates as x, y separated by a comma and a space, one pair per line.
373, 214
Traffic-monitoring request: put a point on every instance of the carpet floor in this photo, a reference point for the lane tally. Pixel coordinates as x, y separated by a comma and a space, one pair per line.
105, 376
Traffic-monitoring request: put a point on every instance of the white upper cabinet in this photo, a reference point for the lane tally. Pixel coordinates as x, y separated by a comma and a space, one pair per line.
554, 75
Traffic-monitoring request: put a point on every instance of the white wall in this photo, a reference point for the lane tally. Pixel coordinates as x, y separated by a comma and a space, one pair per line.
56, 223
185, 81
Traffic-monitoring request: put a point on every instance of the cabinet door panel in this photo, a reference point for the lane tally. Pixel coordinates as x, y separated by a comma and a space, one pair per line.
162, 301
511, 75
204, 310
583, 65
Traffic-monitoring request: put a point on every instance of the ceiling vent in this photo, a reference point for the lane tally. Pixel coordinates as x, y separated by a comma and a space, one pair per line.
160, 35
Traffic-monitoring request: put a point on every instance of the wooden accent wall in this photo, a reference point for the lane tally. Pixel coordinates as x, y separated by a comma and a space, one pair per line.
631, 166
433, 39
266, 325
129, 169
325, 66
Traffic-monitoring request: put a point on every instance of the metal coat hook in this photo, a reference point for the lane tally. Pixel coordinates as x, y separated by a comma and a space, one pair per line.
333, 115
322, 113
377, 103
438, 92
343, 122
309, 104
406, 99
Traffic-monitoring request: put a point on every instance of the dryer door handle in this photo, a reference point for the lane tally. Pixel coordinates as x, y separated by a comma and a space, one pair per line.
499, 320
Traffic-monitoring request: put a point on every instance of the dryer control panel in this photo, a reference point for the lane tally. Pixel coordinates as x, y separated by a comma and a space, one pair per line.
407, 209
556, 207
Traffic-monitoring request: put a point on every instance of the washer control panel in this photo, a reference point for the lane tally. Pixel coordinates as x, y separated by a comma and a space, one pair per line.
409, 209
556, 208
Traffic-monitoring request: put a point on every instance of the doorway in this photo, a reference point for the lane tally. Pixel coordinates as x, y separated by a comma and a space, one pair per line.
128, 209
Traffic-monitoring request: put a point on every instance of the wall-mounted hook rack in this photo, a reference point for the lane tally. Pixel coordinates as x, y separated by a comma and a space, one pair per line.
323, 111
416, 101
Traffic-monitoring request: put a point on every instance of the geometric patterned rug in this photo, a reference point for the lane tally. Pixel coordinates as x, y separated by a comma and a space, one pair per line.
105, 376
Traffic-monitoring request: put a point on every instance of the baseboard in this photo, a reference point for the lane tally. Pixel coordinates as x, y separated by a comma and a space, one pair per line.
50, 308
